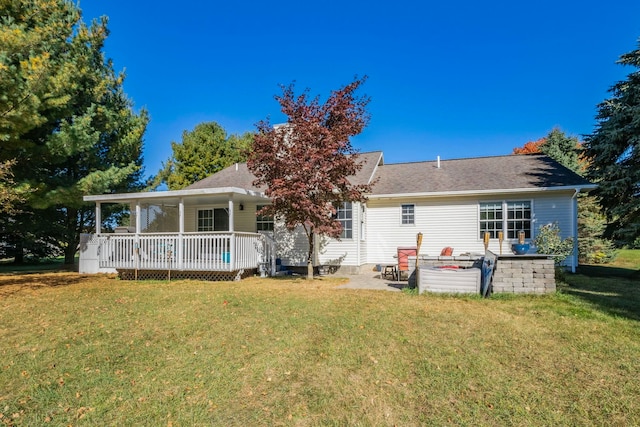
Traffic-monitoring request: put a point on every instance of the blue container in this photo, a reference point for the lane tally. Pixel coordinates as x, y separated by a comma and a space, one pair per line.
520, 249
226, 257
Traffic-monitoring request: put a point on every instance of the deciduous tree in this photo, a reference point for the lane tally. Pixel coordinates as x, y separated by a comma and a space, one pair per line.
531, 147
202, 152
306, 163
613, 150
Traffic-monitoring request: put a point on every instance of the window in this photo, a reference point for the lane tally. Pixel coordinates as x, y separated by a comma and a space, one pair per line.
490, 219
493, 220
213, 219
205, 220
263, 222
518, 218
408, 214
345, 216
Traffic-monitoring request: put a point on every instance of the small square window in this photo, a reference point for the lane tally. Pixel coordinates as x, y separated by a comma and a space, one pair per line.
408, 214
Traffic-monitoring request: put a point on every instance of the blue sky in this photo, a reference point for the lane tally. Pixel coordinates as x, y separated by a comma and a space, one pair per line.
454, 79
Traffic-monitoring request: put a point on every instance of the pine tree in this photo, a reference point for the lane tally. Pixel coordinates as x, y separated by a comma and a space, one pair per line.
68, 125
613, 150
593, 248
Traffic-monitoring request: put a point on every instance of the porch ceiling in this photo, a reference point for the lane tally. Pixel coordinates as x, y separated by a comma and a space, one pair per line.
190, 197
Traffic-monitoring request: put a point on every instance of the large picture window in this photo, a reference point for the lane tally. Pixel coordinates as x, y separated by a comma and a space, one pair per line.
345, 216
508, 217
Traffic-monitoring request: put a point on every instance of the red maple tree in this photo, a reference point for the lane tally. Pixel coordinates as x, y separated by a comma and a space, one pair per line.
306, 163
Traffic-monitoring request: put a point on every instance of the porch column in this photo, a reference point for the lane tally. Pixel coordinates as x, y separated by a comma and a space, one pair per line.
232, 237
98, 217
231, 216
138, 211
180, 233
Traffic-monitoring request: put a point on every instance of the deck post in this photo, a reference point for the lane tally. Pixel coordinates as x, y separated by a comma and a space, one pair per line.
138, 213
98, 217
180, 251
232, 237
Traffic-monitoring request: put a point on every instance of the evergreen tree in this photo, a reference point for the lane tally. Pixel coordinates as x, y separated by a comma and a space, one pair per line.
564, 150
68, 125
202, 152
593, 248
613, 150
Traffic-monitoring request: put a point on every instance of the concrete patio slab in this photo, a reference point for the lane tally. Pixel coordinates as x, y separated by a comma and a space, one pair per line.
372, 281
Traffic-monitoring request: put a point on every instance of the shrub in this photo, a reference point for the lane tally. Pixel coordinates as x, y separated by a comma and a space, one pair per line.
548, 241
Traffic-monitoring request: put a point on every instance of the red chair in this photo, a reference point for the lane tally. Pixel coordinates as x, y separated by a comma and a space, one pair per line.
448, 251
403, 259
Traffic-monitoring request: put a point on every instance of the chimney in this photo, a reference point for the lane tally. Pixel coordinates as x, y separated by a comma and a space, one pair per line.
438, 162
236, 166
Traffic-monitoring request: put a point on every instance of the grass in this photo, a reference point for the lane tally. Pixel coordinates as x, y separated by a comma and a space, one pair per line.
39, 266
94, 350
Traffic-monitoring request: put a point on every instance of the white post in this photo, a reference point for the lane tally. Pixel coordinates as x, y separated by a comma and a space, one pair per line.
181, 233
98, 217
136, 250
232, 238
138, 210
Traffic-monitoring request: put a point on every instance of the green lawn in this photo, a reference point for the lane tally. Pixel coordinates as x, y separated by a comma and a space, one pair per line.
80, 350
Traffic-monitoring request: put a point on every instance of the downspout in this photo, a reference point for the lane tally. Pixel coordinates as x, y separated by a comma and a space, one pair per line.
358, 237
574, 229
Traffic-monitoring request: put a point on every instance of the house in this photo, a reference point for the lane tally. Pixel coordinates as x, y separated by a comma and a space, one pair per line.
212, 226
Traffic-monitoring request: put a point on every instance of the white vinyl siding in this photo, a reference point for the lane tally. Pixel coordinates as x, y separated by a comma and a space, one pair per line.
347, 251
443, 222
452, 221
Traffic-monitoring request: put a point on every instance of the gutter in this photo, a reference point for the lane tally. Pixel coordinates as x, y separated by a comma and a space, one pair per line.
480, 192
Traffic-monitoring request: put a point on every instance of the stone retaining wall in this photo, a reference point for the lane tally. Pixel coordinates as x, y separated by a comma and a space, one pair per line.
519, 274
524, 274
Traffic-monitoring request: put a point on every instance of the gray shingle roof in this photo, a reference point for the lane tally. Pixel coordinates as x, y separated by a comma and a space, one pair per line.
475, 174
471, 174
239, 175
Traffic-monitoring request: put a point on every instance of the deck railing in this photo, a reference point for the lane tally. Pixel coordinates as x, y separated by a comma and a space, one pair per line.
214, 251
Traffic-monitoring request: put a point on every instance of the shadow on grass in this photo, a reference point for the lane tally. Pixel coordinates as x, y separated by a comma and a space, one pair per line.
11, 284
613, 290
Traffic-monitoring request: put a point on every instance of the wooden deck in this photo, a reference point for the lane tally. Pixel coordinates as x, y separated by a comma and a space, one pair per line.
232, 252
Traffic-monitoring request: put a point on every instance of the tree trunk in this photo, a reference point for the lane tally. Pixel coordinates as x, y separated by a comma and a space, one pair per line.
72, 236
18, 255
70, 255
310, 256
